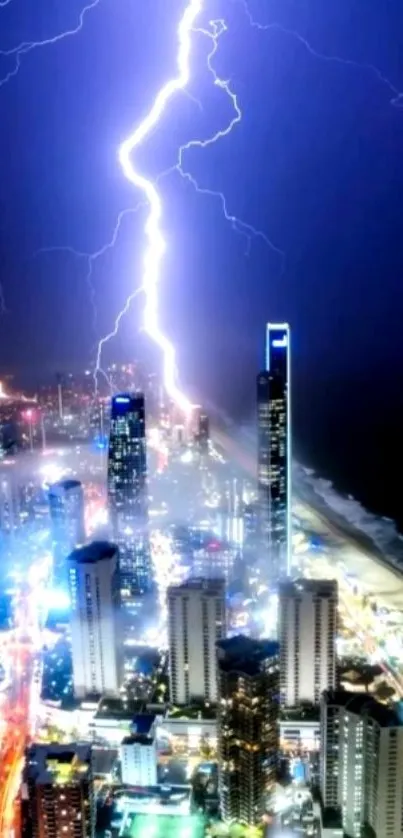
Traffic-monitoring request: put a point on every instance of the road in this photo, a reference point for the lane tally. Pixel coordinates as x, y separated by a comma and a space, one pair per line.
17, 714
344, 560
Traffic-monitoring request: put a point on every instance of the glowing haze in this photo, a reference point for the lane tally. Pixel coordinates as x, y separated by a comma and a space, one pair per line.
156, 245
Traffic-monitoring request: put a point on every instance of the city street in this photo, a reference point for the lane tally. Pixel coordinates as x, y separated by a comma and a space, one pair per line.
18, 711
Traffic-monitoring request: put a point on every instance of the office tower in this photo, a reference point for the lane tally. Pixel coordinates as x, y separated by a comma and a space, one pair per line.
230, 524
196, 621
138, 753
66, 505
95, 619
97, 421
274, 453
127, 492
248, 678
9, 507
250, 530
200, 429
57, 793
361, 763
307, 629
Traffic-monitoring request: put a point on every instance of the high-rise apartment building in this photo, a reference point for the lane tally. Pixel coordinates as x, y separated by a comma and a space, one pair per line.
138, 753
57, 794
361, 764
196, 622
95, 619
274, 452
307, 630
127, 492
66, 505
248, 677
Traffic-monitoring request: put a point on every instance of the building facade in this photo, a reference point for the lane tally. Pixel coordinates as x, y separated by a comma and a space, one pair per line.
274, 453
66, 506
95, 619
196, 622
57, 792
248, 677
361, 764
307, 631
127, 492
138, 754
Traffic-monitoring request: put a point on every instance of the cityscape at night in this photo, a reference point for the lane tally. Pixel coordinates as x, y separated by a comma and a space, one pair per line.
201, 584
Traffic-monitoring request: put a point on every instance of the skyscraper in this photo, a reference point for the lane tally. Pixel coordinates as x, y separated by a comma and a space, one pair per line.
361, 763
200, 429
248, 678
196, 621
307, 617
138, 753
274, 453
57, 792
66, 505
127, 492
95, 619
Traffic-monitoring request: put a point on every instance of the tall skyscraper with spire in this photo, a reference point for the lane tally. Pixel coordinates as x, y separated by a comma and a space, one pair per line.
127, 492
274, 452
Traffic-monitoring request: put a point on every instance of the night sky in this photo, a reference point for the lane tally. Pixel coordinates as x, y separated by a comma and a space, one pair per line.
317, 165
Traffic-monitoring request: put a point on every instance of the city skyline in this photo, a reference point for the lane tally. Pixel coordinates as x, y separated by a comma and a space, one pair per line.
201, 623
235, 659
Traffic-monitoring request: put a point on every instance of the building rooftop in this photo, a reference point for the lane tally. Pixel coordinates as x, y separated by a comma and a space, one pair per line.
142, 723
245, 655
64, 486
300, 713
57, 764
322, 587
127, 402
365, 705
117, 709
210, 585
94, 552
163, 826
192, 712
138, 739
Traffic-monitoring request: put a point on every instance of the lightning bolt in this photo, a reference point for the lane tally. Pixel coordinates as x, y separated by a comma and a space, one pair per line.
156, 245
397, 94
28, 46
155, 242
92, 258
98, 368
217, 29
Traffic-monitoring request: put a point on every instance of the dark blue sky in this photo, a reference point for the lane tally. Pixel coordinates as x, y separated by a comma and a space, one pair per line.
316, 164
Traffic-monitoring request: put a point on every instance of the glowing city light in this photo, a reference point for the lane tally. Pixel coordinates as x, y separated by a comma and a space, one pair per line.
280, 343
51, 473
122, 400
